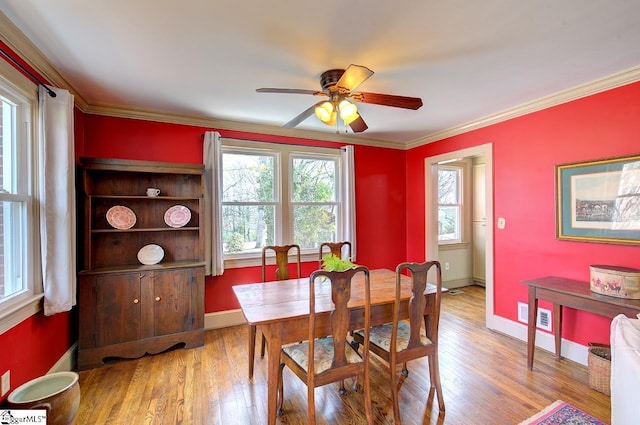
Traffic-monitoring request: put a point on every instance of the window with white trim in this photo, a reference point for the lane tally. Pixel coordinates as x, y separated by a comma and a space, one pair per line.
450, 204
18, 216
275, 194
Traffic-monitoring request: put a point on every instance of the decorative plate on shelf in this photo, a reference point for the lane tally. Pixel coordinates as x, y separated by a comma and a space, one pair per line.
150, 254
177, 216
121, 217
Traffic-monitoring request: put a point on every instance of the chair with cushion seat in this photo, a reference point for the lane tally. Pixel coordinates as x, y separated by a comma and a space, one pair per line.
335, 248
320, 361
281, 273
402, 340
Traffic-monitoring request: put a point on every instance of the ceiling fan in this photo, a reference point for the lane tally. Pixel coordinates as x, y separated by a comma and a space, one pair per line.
339, 85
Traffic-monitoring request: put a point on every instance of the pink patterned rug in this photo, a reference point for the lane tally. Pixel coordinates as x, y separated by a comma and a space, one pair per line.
561, 413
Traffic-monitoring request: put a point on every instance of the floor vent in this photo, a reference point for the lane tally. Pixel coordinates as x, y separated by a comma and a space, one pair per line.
543, 320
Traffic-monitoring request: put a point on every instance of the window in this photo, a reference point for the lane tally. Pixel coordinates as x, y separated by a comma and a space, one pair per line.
450, 198
249, 200
313, 200
18, 238
279, 194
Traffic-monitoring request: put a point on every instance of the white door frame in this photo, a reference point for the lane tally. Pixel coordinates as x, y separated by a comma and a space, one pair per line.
431, 216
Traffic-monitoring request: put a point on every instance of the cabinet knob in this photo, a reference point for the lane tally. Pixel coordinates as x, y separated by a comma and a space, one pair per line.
136, 301
157, 298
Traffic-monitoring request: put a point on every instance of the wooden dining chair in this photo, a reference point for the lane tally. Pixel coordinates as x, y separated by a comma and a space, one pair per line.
402, 340
335, 248
320, 361
282, 272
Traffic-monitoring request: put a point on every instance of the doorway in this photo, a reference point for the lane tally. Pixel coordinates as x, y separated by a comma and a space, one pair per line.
431, 209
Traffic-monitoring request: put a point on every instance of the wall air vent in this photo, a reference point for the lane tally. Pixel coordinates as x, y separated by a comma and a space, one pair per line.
543, 320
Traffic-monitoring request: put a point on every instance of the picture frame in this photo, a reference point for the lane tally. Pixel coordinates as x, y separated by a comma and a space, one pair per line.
599, 201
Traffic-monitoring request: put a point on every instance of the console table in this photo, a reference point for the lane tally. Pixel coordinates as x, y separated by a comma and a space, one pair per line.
574, 294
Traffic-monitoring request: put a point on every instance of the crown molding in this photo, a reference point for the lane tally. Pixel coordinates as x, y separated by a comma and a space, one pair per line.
609, 82
23, 47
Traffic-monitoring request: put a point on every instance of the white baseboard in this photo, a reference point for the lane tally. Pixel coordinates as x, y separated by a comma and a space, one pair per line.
457, 283
223, 319
68, 360
570, 350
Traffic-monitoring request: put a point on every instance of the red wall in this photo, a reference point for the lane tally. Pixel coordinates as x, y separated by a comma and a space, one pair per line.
32, 347
380, 190
525, 152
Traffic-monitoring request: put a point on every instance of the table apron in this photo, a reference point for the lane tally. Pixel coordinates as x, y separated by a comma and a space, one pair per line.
601, 308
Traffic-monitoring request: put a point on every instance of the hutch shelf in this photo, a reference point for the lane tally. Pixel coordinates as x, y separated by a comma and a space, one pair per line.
126, 308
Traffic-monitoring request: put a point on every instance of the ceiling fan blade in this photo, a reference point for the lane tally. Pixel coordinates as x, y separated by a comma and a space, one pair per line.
301, 117
353, 77
294, 91
388, 100
358, 125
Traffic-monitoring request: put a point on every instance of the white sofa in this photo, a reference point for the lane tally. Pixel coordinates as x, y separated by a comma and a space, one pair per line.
625, 371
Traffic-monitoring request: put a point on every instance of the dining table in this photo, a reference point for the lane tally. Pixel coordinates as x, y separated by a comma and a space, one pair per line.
280, 310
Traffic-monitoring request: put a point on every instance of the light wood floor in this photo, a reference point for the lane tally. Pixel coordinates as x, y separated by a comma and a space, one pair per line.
484, 377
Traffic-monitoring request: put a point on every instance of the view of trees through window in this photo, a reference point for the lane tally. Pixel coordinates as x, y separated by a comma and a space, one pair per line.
253, 212
313, 198
248, 201
449, 203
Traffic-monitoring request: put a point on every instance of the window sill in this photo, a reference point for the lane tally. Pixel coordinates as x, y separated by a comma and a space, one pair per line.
453, 246
234, 263
20, 312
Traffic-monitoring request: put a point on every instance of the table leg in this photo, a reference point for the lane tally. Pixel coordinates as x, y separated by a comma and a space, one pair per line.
557, 326
531, 326
252, 349
274, 345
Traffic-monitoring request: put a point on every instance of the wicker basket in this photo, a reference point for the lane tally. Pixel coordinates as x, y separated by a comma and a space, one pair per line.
599, 364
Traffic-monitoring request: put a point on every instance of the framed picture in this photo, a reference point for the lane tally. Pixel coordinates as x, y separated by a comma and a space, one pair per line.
599, 201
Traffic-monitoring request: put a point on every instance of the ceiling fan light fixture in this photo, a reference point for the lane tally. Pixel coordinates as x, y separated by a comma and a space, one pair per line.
351, 118
324, 111
332, 119
348, 111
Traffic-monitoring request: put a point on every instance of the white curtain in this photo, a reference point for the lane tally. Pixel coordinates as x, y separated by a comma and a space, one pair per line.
213, 251
349, 189
57, 200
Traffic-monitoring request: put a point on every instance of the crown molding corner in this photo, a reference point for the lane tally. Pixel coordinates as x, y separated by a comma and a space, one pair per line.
27, 51
609, 82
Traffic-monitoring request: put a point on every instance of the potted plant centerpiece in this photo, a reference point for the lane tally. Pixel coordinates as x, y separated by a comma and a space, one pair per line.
333, 263
338, 270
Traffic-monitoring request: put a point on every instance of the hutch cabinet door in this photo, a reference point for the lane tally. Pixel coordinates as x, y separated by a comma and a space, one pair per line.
117, 308
172, 304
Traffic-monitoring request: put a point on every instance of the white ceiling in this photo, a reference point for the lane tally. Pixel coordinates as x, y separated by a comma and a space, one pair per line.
204, 58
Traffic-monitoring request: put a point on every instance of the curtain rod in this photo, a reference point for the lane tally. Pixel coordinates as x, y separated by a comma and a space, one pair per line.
8, 56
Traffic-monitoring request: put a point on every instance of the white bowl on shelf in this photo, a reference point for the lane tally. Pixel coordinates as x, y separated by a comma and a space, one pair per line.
150, 254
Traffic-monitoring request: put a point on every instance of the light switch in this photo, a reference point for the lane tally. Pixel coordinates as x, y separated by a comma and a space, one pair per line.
501, 223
